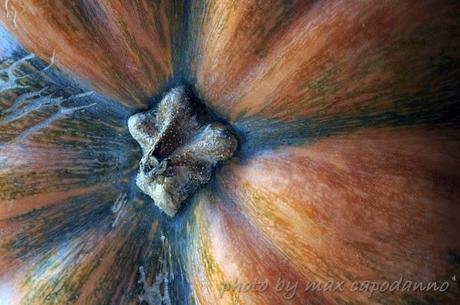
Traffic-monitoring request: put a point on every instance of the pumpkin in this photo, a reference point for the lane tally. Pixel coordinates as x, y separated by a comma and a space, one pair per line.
346, 174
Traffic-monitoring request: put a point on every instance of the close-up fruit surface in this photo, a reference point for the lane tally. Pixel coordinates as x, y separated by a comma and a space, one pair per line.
229, 152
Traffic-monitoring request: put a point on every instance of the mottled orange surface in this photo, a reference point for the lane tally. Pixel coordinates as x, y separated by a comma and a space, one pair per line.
347, 114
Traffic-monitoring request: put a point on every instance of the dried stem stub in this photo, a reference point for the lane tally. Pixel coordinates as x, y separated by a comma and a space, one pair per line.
181, 146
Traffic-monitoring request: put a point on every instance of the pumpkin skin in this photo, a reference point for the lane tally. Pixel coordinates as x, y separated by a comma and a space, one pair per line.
348, 166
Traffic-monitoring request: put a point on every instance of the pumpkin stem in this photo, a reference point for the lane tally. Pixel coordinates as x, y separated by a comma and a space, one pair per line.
181, 146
